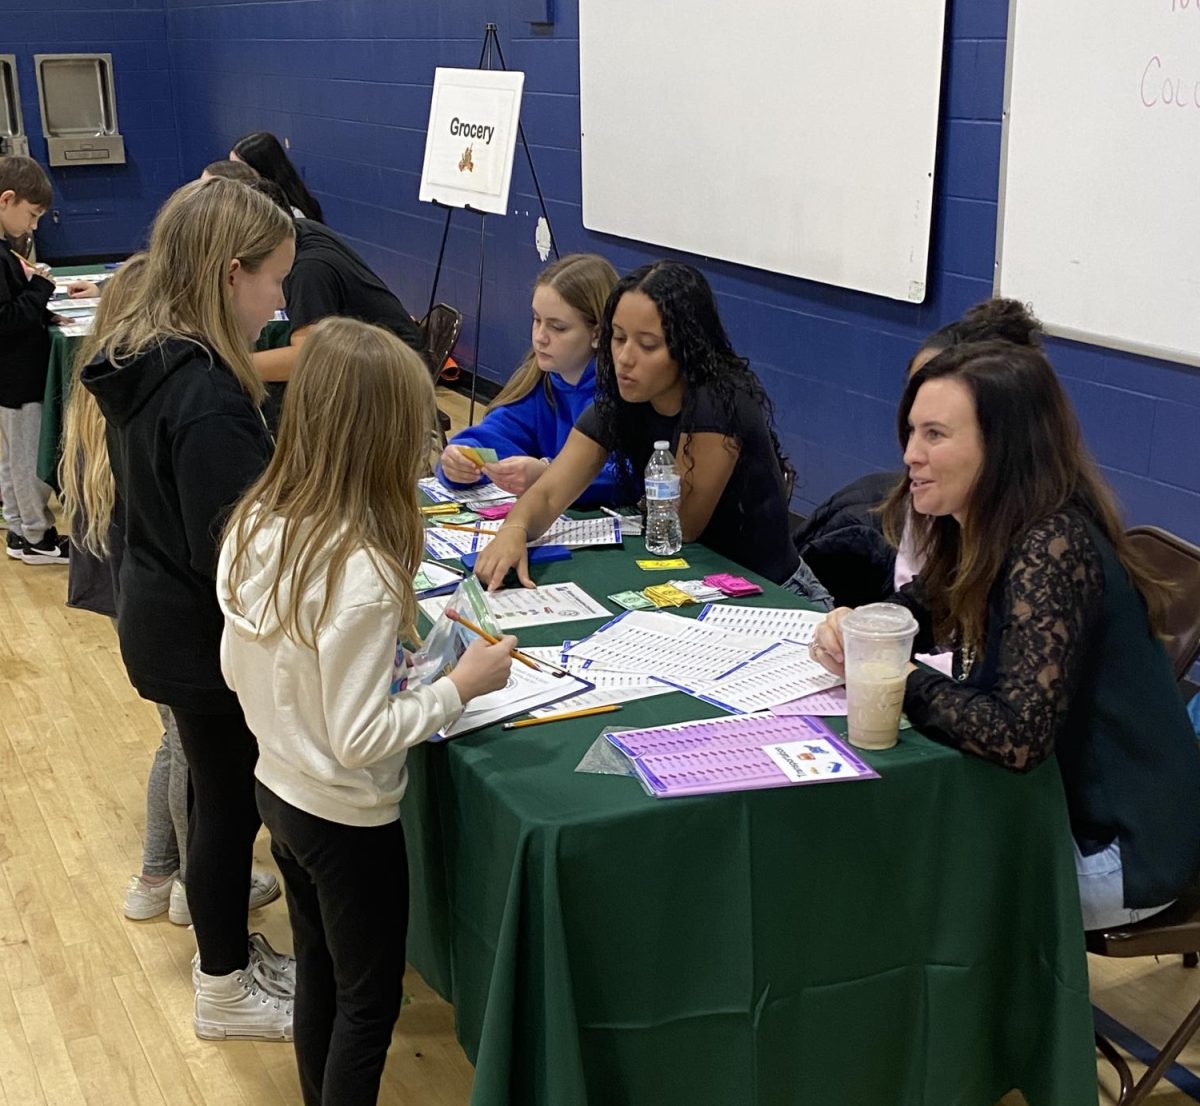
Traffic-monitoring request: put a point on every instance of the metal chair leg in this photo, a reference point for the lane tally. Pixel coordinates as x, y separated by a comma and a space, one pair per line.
1119, 1066
1165, 1058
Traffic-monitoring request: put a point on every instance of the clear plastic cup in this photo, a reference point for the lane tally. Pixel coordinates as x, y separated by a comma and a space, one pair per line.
877, 640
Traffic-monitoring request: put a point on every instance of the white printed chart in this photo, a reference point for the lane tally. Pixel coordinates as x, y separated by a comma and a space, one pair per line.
514, 608
664, 645
779, 674
775, 623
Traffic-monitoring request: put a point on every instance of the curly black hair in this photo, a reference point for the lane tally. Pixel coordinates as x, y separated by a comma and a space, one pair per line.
698, 344
997, 317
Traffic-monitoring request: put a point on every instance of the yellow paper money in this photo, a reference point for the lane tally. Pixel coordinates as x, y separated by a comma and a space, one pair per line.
667, 595
672, 562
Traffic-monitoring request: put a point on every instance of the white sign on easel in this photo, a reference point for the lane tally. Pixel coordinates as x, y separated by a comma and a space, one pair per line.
471, 139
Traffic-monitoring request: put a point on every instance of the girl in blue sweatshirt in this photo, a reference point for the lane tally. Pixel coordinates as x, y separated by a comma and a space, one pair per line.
531, 417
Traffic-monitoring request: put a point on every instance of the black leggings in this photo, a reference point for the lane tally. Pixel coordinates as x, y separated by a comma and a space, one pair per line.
221, 753
347, 891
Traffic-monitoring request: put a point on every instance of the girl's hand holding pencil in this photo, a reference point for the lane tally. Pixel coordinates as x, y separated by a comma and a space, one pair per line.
483, 667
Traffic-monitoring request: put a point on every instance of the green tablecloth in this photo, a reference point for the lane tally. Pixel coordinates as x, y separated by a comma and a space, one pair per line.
58, 381
912, 940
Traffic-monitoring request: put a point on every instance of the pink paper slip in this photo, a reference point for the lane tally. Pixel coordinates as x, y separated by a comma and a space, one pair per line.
500, 510
738, 754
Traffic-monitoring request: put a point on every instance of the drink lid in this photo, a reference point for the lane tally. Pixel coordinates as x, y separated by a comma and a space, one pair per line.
662, 445
881, 620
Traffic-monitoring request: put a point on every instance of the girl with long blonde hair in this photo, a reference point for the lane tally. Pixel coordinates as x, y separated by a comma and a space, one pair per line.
529, 421
88, 492
316, 585
173, 378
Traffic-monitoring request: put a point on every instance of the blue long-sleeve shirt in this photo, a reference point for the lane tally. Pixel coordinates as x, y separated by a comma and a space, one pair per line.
531, 427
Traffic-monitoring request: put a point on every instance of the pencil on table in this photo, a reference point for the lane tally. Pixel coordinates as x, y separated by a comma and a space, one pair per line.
560, 716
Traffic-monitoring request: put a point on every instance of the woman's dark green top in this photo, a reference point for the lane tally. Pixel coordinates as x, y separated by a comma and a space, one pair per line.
1071, 667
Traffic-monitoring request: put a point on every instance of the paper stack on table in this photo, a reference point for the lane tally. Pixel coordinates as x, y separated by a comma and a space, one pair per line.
445, 544
741, 659
437, 492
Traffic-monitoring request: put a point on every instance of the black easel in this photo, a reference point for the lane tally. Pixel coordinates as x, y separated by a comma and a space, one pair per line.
491, 41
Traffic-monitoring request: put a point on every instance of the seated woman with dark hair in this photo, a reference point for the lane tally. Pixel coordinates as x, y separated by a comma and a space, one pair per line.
842, 540
263, 152
1054, 616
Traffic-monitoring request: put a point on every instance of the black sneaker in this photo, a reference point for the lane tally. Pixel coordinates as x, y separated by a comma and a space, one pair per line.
51, 550
14, 545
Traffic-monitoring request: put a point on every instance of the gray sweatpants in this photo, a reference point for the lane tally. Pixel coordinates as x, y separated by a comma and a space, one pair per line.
26, 498
165, 847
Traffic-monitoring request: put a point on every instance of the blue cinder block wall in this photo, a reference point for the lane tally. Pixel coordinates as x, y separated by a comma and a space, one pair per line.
347, 83
101, 210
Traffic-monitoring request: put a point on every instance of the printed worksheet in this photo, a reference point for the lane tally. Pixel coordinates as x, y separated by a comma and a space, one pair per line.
780, 673
658, 644
437, 492
831, 703
775, 623
526, 690
514, 608
611, 687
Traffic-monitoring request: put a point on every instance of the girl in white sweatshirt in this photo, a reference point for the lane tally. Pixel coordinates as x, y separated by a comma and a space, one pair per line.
315, 582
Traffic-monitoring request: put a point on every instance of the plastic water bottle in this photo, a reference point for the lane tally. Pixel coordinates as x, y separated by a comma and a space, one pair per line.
664, 535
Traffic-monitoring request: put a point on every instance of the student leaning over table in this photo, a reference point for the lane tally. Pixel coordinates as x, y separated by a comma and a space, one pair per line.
316, 586
529, 421
1027, 570
666, 370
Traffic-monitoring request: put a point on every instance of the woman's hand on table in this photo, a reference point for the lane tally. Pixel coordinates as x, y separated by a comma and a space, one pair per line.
459, 467
827, 649
81, 289
515, 474
506, 550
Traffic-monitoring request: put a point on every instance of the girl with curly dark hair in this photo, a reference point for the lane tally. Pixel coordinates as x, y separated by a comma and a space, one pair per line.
665, 370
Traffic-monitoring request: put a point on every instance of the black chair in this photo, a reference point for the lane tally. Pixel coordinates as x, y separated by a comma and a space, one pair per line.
1176, 929
441, 329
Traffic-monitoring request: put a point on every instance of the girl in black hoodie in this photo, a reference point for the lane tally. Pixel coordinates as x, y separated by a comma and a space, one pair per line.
185, 438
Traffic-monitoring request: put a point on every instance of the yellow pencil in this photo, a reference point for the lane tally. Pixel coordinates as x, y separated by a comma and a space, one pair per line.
454, 616
561, 716
474, 529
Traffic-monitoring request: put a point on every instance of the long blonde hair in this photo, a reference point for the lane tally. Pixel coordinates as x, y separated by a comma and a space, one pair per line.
584, 280
84, 472
201, 229
357, 422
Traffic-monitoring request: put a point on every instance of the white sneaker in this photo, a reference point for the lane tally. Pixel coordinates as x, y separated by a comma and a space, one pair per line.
146, 900
264, 888
240, 1005
276, 969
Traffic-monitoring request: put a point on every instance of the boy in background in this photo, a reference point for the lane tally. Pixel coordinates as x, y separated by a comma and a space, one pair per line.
25, 194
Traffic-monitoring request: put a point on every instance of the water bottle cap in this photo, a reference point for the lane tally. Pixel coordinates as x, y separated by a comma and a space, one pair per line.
662, 445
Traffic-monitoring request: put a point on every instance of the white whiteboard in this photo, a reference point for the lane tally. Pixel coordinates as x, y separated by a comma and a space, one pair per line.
1099, 225
796, 136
